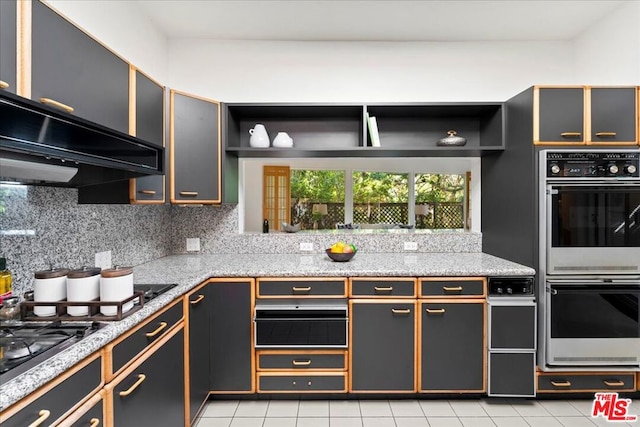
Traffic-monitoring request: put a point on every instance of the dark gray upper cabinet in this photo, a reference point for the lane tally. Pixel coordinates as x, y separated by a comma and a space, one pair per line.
230, 341
614, 115
560, 113
195, 157
149, 108
453, 348
329, 130
8, 45
199, 348
70, 67
383, 350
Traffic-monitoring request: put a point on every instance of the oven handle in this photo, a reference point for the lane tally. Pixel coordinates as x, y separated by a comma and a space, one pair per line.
590, 182
291, 319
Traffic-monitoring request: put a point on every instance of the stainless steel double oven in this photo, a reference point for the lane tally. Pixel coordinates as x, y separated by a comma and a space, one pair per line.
590, 257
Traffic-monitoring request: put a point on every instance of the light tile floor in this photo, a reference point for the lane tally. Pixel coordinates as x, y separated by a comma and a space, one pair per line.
405, 413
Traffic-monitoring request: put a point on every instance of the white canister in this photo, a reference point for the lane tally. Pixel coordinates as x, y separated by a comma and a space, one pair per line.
82, 285
49, 286
259, 137
116, 284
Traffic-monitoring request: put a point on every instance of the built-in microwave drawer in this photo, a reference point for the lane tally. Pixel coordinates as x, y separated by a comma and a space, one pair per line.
452, 287
125, 349
585, 382
301, 288
321, 382
383, 287
302, 360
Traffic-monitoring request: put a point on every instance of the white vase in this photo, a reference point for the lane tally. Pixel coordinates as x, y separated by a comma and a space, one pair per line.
259, 136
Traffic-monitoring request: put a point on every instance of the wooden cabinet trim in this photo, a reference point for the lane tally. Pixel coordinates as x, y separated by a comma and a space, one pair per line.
485, 352
351, 281
303, 281
303, 374
172, 185
25, 401
301, 353
84, 408
452, 279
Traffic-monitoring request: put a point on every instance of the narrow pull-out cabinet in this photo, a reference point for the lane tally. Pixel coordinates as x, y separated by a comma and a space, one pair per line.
198, 345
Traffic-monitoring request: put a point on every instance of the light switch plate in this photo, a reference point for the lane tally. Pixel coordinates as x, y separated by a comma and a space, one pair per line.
193, 244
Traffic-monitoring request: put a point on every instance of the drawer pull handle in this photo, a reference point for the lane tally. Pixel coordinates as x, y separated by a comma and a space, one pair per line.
157, 331
435, 310
606, 134
561, 383
94, 422
401, 310
571, 134
59, 105
197, 300
148, 192
301, 288
616, 383
3, 84
452, 288
383, 288
141, 378
42, 416
302, 362
188, 193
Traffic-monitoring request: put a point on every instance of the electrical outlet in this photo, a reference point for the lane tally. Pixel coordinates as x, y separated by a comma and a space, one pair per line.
410, 246
193, 244
306, 246
103, 259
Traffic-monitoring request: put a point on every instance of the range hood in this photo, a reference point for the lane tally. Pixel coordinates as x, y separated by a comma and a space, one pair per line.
40, 145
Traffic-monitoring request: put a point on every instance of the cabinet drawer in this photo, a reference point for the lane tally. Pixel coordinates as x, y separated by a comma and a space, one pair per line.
453, 287
58, 398
591, 382
302, 360
383, 287
134, 343
293, 288
307, 383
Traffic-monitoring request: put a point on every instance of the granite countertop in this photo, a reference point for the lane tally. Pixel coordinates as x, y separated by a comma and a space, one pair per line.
190, 270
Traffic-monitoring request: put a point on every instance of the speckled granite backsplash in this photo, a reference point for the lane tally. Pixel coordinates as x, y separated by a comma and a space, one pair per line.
217, 226
43, 226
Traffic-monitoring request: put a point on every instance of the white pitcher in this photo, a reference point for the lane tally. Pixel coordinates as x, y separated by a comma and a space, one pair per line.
259, 136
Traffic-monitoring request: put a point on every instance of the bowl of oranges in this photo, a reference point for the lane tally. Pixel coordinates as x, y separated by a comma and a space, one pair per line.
341, 251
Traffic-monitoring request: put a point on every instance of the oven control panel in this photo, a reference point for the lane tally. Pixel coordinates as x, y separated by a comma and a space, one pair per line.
593, 164
509, 286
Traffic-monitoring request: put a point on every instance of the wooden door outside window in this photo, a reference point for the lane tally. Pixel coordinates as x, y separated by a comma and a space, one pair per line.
276, 195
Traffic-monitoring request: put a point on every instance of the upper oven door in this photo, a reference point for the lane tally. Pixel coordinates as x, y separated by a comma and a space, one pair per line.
593, 228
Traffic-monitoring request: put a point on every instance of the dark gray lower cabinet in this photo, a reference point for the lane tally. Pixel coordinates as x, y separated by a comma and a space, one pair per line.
60, 398
453, 347
231, 322
8, 44
512, 374
158, 398
383, 346
199, 348
92, 417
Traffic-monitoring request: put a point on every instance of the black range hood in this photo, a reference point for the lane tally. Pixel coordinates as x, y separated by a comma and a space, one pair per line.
47, 139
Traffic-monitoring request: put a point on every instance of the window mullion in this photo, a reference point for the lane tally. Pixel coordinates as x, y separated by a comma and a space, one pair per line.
348, 196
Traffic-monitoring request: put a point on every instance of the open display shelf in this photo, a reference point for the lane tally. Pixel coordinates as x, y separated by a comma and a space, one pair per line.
340, 130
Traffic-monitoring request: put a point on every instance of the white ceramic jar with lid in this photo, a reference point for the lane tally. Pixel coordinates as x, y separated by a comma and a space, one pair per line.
116, 284
82, 285
49, 286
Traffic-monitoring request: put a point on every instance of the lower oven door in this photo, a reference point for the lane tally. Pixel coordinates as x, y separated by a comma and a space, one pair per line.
301, 325
593, 324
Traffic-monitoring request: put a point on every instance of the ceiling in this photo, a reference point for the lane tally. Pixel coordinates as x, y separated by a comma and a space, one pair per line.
356, 20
